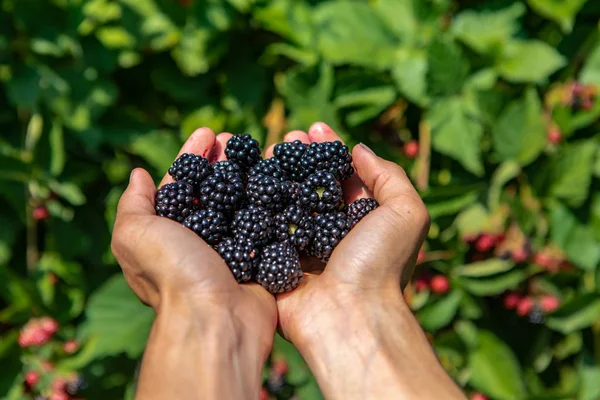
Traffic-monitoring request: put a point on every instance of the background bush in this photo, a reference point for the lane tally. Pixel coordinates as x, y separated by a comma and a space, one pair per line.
499, 96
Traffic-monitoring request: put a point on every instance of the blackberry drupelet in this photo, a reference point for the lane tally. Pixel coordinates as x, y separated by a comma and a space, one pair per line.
191, 168
332, 157
320, 192
210, 225
279, 268
254, 223
269, 167
268, 192
227, 167
294, 225
243, 150
330, 229
289, 155
241, 256
222, 191
175, 201
359, 208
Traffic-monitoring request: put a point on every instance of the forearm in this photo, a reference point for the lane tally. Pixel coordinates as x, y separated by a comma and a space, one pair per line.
376, 353
191, 357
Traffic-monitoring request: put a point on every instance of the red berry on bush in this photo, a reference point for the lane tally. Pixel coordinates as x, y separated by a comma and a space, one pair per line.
554, 135
264, 394
511, 300
549, 303
520, 255
280, 367
71, 346
411, 149
439, 284
486, 242
525, 306
31, 378
49, 325
478, 396
420, 257
422, 282
40, 213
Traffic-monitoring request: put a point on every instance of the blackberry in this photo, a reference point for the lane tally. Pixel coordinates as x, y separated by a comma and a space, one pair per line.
359, 208
222, 191
289, 155
73, 387
320, 192
269, 167
191, 168
210, 225
332, 157
175, 201
227, 167
241, 256
330, 229
268, 192
254, 223
243, 150
295, 226
279, 268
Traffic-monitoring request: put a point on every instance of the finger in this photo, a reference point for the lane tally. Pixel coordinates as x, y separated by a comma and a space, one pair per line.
218, 151
200, 142
289, 137
138, 198
353, 187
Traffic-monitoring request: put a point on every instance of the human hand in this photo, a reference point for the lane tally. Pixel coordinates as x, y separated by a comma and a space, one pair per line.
349, 320
193, 292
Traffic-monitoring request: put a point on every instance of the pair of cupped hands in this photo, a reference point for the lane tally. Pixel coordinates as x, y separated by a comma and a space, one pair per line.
168, 265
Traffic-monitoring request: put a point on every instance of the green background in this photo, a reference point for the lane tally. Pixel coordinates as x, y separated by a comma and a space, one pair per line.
91, 89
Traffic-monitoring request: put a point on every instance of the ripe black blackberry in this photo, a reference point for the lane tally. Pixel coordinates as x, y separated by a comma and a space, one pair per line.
359, 208
289, 155
222, 191
191, 168
254, 223
175, 201
241, 256
227, 167
243, 150
74, 386
279, 268
268, 192
330, 229
320, 192
210, 225
332, 157
294, 225
269, 167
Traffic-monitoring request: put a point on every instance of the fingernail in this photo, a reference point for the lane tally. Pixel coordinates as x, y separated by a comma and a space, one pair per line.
367, 148
131, 175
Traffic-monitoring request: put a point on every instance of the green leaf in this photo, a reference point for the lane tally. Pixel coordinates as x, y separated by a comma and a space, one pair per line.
351, 33
504, 173
484, 268
456, 133
441, 312
158, 148
529, 61
207, 116
576, 314
116, 320
57, 149
562, 12
447, 68
451, 205
471, 221
589, 375
494, 285
486, 31
115, 37
590, 73
190, 54
410, 74
570, 172
519, 133
23, 89
68, 191
495, 370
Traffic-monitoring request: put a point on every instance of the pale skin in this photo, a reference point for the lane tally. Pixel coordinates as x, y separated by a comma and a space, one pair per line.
349, 321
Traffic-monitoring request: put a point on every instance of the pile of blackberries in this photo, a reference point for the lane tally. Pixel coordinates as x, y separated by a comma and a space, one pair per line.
260, 215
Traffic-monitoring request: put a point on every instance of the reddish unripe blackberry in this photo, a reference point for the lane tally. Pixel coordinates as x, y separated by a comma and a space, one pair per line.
40, 213
511, 300
321, 192
330, 229
210, 225
549, 303
411, 149
243, 150
241, 256
191, 168
554, 135
478, 396
279, 269
525, 306
269, 167
333, 157
268, 192
31, 378
222, 191
439, 284
175, 201
294, 225
485, 243
359, 208
254, 223
289, 155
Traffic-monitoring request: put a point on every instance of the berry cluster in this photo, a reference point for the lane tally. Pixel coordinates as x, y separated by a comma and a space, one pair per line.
37, 332
261, 215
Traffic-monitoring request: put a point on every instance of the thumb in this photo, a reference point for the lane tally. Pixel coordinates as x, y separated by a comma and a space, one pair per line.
138, 198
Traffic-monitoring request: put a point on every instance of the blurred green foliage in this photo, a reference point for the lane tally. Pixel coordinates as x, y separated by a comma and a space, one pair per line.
501, 96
